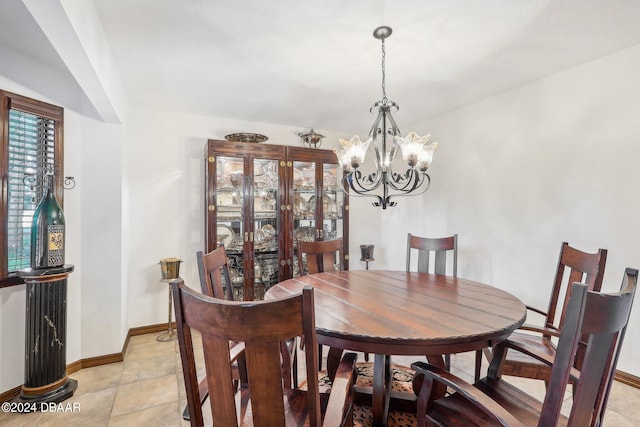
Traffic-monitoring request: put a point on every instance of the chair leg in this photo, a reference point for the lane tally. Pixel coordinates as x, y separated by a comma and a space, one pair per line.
185, 413
203, 391
319, 357
447, 361
294, 355
476, 375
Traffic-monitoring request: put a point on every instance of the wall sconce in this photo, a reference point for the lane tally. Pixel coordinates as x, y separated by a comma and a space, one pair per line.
311, 139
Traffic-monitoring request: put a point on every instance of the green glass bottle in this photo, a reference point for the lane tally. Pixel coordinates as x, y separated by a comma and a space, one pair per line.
47, 230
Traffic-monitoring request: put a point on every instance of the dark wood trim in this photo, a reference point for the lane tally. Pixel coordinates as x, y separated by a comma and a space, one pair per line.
4, 190
10, 394
10, 280
142, 330
33, 106
106, 359
626, 378
10, 101
74, 366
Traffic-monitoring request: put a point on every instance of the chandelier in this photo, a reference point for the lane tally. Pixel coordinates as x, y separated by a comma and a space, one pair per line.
385, 139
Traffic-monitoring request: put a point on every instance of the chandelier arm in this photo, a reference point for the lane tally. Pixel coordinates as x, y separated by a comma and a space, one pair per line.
359, 183
373, 133
347, 182
423, 186
395, 131
427, 180
411, 181
394, 125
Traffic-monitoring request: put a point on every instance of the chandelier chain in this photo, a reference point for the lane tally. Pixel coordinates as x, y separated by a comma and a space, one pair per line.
384, 91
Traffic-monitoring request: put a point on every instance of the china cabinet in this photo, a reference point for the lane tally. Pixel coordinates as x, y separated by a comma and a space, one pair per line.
260, 199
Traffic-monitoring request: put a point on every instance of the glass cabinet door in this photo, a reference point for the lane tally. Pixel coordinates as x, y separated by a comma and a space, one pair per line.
332, 202
230, 226
266, 225
246, 212
304, 204
304, 213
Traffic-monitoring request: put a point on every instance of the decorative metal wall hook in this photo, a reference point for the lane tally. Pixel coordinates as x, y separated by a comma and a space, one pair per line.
32, 181
69, 183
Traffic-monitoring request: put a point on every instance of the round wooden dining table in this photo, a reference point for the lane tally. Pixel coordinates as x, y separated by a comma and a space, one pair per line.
405, 313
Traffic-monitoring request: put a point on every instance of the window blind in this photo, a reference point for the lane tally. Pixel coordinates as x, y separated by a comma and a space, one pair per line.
31, 154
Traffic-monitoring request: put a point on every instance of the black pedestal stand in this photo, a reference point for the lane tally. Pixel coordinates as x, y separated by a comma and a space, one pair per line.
45, 361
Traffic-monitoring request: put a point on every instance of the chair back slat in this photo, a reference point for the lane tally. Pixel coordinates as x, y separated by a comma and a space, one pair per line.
441, 247
218, 369
440, 266
423, 261
263, 362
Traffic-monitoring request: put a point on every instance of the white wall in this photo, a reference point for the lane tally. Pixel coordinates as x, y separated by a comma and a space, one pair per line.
517, 174
103, 323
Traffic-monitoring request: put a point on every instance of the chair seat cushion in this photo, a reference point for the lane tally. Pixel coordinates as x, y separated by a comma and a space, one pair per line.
362, 415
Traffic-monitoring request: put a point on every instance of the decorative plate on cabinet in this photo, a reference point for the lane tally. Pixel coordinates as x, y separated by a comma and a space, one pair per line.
269, 231
245, 137
225, 235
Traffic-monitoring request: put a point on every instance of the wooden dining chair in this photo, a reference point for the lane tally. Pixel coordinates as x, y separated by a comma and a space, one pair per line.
214, 266
320, 256
439, 247
582, 267
213, 270
596, 320
261, 326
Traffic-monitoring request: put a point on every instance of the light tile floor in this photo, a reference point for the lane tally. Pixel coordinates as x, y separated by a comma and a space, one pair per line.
147, 389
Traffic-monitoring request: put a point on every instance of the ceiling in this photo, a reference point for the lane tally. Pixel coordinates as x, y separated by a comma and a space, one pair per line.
316, 64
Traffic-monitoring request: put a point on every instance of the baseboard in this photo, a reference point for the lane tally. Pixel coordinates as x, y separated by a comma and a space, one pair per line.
91, 362
628, 379
10, 394
75, 366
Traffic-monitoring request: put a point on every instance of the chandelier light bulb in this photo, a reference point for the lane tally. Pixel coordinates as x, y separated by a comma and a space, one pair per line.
344, 159
355, 151
412, 147
426, 156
